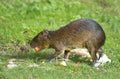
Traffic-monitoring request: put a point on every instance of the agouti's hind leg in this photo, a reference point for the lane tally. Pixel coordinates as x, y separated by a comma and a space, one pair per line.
93, 51
100, 52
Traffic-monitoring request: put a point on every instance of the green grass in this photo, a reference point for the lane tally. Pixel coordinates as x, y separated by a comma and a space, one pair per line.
21, 20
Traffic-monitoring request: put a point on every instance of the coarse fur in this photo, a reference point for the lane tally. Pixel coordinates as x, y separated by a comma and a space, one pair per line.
81, 33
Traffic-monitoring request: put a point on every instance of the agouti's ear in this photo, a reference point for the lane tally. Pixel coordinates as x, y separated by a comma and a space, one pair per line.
45, 32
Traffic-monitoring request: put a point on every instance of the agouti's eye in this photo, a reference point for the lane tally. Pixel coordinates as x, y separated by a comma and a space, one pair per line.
39, 39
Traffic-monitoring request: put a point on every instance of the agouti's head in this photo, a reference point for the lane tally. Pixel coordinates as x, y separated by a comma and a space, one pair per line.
40, 41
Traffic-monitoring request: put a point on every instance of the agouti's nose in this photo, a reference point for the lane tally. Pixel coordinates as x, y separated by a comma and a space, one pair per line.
31, 44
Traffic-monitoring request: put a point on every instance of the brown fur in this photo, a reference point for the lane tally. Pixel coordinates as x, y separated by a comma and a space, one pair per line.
81, 33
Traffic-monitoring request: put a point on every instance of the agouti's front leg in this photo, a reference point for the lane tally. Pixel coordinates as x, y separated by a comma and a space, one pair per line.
66, 55
57, 52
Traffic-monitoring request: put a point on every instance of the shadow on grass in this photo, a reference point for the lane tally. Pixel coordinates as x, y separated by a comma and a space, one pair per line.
43, 56
77, 58
29, 55
32, 56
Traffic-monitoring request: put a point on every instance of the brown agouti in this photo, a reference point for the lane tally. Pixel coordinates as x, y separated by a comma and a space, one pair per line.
81, 33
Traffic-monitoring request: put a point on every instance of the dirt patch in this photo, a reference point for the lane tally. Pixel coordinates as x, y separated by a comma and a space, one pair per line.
11, 49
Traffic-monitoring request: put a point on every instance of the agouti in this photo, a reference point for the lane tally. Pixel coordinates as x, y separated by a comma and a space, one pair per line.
81, 33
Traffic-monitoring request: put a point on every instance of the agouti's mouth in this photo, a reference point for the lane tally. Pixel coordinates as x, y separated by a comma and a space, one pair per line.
37, 49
